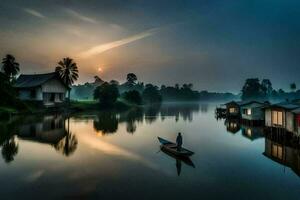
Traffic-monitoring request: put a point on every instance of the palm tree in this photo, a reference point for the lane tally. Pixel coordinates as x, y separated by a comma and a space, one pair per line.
10, 67
68, 71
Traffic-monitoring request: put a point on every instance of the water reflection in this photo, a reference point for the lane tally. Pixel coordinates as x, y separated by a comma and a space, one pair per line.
107, 122
252, 132
48, 130
232, 125
281, 150
179, 161
54, 130
9, 149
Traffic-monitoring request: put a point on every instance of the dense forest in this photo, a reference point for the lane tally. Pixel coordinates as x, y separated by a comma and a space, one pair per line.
263, 90
149, 92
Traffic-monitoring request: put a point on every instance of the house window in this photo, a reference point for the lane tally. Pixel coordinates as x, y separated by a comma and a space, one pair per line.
277, 118
32, 94
61, 96
232, 125
52, 97
232, 110
277, 151
249, 132
247, 111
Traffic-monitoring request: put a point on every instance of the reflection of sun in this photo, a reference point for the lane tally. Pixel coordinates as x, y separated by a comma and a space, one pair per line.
100, 69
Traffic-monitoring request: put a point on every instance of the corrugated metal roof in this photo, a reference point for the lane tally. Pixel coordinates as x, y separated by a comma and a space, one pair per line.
286, 105
33, 80
241, 103
296, 111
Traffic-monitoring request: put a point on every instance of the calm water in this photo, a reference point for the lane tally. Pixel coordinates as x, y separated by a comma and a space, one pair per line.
113, 156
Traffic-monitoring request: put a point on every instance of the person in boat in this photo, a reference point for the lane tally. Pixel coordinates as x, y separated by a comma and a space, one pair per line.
179, 141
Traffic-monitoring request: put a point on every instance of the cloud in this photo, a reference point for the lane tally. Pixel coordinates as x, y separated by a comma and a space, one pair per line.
80, 16
34, 13
105, 47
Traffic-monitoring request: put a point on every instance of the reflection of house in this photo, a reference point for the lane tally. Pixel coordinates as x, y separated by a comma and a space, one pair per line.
45, 88
252, 132
253, 111
232, 125
282, 115
51, 129
283, 154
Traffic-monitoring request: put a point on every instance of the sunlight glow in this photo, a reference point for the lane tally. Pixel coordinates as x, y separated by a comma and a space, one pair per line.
105, 47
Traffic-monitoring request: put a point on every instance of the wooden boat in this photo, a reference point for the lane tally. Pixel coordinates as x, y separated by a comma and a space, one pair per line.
172, 148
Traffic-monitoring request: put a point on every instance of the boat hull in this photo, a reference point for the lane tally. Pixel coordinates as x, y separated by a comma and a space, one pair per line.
172, 148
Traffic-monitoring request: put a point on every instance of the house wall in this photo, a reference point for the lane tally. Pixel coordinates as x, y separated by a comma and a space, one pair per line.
54, 86
290, 121
257, 112
25, 94
236, 107
268, 118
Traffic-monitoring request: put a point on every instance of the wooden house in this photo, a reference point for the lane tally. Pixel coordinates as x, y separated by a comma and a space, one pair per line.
281, 115
253, 111
47, 89
233, 108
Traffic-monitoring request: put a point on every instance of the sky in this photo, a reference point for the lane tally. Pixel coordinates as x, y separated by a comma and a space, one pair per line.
214, 44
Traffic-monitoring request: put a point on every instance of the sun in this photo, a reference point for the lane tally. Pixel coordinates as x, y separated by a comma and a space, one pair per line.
100, 69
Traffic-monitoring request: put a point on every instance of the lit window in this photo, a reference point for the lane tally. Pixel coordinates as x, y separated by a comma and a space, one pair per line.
232, 110
277, 151
277, 117
249, 111
249, 132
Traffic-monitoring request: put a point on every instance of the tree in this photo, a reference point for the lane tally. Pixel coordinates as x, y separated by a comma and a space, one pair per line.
293, 86
252, 89
266, 87
68, 71
10, 67
131, 78
98, 80
133, 96
107, 94
151, 94
114, 82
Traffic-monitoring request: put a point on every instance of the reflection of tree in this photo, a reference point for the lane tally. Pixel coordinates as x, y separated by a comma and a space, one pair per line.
131, 117
7, 140
151, 113
68, 144
9, 149
107, 122
181, 110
